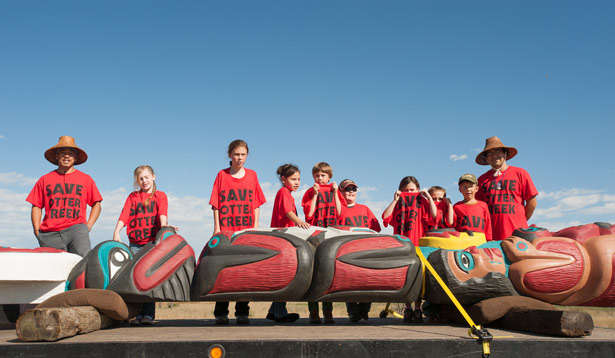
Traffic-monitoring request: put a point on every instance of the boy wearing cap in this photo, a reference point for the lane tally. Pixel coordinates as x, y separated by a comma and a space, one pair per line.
356, 215
64, 194
471, 214
508, 191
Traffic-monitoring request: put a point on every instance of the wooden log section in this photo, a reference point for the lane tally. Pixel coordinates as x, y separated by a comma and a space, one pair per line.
51, 324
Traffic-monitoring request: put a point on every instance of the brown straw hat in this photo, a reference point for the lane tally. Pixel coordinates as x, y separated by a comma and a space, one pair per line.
66, 142
494, 143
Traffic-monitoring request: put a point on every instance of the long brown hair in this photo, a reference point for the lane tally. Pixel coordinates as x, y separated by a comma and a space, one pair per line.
136, 174
407, 180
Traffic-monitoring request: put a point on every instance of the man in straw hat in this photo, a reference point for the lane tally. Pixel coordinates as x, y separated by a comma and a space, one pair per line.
508, 191
64, 193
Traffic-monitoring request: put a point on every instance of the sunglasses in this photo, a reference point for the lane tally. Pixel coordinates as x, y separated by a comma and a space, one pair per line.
351, 188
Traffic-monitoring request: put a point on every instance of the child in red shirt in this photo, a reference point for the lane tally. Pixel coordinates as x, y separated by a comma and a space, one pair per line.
358, 215
444, 209
322, 206
409, 210
235, 200
285, 215
471, 214
144, 213
284, 209
354, 214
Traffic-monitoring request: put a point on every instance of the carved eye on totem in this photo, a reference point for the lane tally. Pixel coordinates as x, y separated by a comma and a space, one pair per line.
464, 260
117, 259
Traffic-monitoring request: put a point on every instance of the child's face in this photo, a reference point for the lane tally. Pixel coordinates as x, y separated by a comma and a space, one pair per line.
292, 182
468, 189
411, 188
350, 195
238, 156
437, 195
321, 178
146, 181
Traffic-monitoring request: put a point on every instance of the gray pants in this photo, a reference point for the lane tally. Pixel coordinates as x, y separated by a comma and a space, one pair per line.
75, 239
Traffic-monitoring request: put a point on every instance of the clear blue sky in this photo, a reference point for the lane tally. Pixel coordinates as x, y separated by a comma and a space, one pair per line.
378, 90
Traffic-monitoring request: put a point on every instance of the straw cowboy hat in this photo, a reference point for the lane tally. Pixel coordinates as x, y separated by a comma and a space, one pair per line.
66, 142
494, 143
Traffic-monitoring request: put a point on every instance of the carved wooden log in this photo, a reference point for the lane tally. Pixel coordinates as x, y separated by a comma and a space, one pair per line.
51, 324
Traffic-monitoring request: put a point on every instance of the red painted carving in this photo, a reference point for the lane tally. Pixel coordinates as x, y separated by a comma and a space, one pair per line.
556, 279
271, 274
370, 243
607, 298
353, 278
146, 283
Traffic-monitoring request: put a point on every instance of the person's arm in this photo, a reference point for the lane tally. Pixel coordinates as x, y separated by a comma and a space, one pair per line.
316, 187
216, 220
451, 212
36, 215
488, 229
294, 218
530, 205
164, 221
389, 209
116, 232
94, 214
338, 203
256, 212
432, 206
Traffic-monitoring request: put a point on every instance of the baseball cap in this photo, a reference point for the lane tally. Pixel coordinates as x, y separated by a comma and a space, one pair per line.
347, 184
468, 177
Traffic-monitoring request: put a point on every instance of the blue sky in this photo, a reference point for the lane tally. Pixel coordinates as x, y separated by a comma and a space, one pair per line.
378, 90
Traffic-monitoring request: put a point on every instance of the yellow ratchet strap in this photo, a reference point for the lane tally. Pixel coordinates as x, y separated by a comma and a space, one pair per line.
483, 336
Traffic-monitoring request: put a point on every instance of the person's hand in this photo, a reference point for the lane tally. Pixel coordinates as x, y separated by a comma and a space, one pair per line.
316, 188
304, 225
116, 237
89, 227
425, 194
36, 233
176, 228
397, 195
334, 186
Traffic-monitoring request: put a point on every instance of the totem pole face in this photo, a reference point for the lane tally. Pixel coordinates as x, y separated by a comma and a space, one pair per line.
557, 270
473, 274
475, 263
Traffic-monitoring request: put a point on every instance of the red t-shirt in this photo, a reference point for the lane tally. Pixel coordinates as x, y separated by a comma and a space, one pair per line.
439, 221
141, 215
473, 217
325, 213
358, 215
284, 203
505, 196
236, 199
408, 216
65, 198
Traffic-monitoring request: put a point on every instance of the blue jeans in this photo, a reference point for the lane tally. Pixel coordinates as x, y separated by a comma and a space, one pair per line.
149, 308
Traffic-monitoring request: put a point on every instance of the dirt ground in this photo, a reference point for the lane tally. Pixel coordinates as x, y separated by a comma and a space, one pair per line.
603, 317
204, 310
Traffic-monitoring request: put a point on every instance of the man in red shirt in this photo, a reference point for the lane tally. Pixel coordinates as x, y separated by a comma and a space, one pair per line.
64, 194
508, 191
